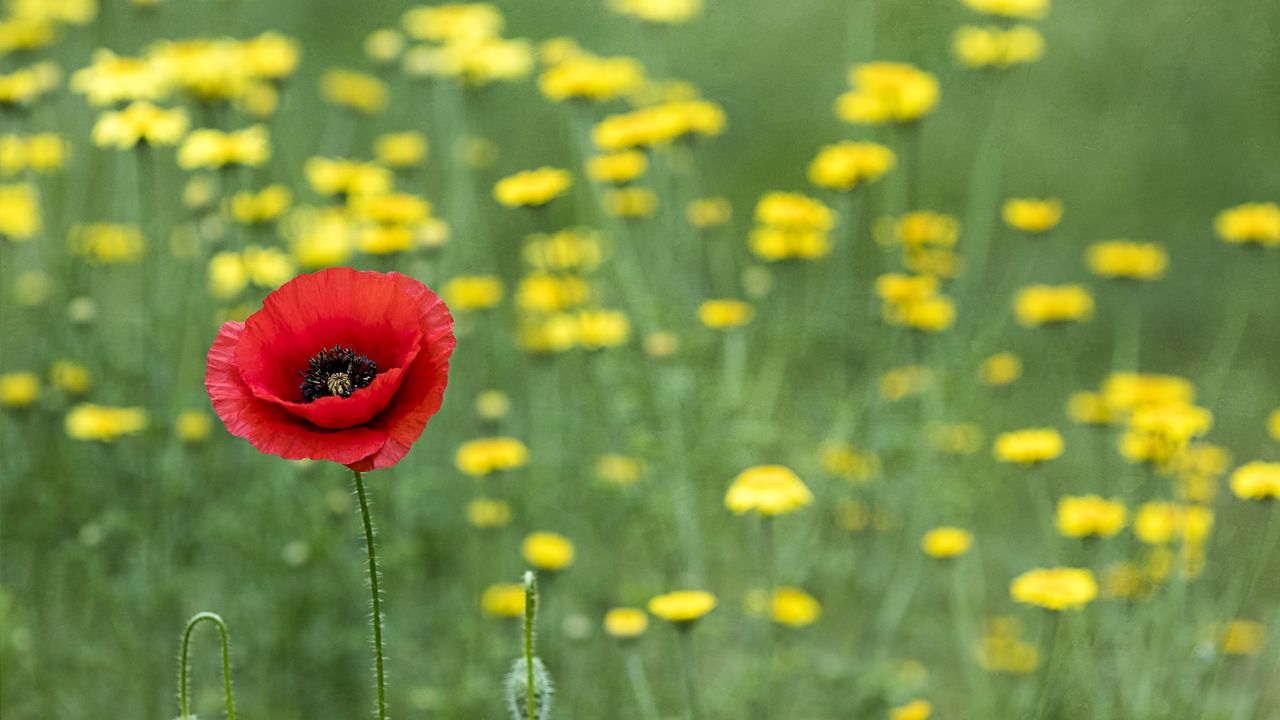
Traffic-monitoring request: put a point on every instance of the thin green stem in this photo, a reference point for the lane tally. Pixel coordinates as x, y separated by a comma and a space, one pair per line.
766, 637
373, 589
640, 685
530, 617
184, 708
690, 684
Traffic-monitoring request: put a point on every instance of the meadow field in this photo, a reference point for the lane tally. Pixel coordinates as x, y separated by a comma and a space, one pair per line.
838, 359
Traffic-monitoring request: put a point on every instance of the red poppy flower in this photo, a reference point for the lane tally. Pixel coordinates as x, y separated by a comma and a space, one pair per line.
339, 365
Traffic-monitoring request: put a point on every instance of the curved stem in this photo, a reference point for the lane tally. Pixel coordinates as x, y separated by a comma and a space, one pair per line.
373, 589
184, 709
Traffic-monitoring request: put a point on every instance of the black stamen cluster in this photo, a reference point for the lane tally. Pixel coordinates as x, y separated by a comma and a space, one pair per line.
336, 371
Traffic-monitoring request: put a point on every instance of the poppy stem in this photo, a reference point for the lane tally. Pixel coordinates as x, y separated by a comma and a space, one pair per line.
373, 589
184, 709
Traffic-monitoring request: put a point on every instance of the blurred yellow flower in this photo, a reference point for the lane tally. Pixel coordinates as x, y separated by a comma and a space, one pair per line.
1089, 408
482, 457
569, 250
586, 77
1257, 223
545, 293
1127, 260
472, 292
488, 513
492, 404
112, 79
1037, 305
1158, 434
625, 623
384, 45
925, 228
401, 149
846, 165
356, 90
270, 55
1028, 447
667, 12
914, 710
547, 551
658, 124
843, 460
965, 438
768, 490
1002, 649
705, 213
264, 206
1257, 480
69, 376
725, 314
1032, 215
1273, 425
504, 600
1001, 369
1090, 516
532, 188
997, 47
193, 425
105, 424
618, 167
452, 22
1243, 637
107, 243
20, 218
1159, 523
772, 244
619, 470
885, 92
214, 149
630, 202
1029, 9
337, 176
140, 123
1055, 588
790, 606
19, 389
682, 606
899, 289
794, 211
602, 328
903, 382
946, 542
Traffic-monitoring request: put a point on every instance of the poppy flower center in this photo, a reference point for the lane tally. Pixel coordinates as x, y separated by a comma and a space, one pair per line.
336, 371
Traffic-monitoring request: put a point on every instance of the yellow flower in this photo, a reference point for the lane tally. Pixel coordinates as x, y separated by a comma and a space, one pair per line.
1273, 425
619, 470
473, 292
725, 314
270, 56
532, 188
1001, 369
995, 47
545, 293
216, 149
667, 12
1243, 637
1055, 588
356, 90
946, 542
384, 45
793, 211
768, 490
1029, 9
1159, 523
1128, 260
112, 79
549, 334
682, 606
964, 438
209, 70
1002, 650
108, 243
42, 153
925, 228
488, 455
1028, 447
602, 328
193, 425
19, 389
1257, 223
617, 168
401, 149
845, 461
336, 176
930, 314
1090, 515
659, 124
263, 206
492, 404
587, 77
103, 423
1256, 481
705, 213
503, 600
846, 165
914, 710
453, 22
1159, 434
1037, 305
20, 218
488, 513
790, 606
1124, 392
1032, 215
1089, 408
903, 382
625, 623
569, 250
547, 551
772, 244
630, 202
140, 123
69, 376
899, 289
885, 92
